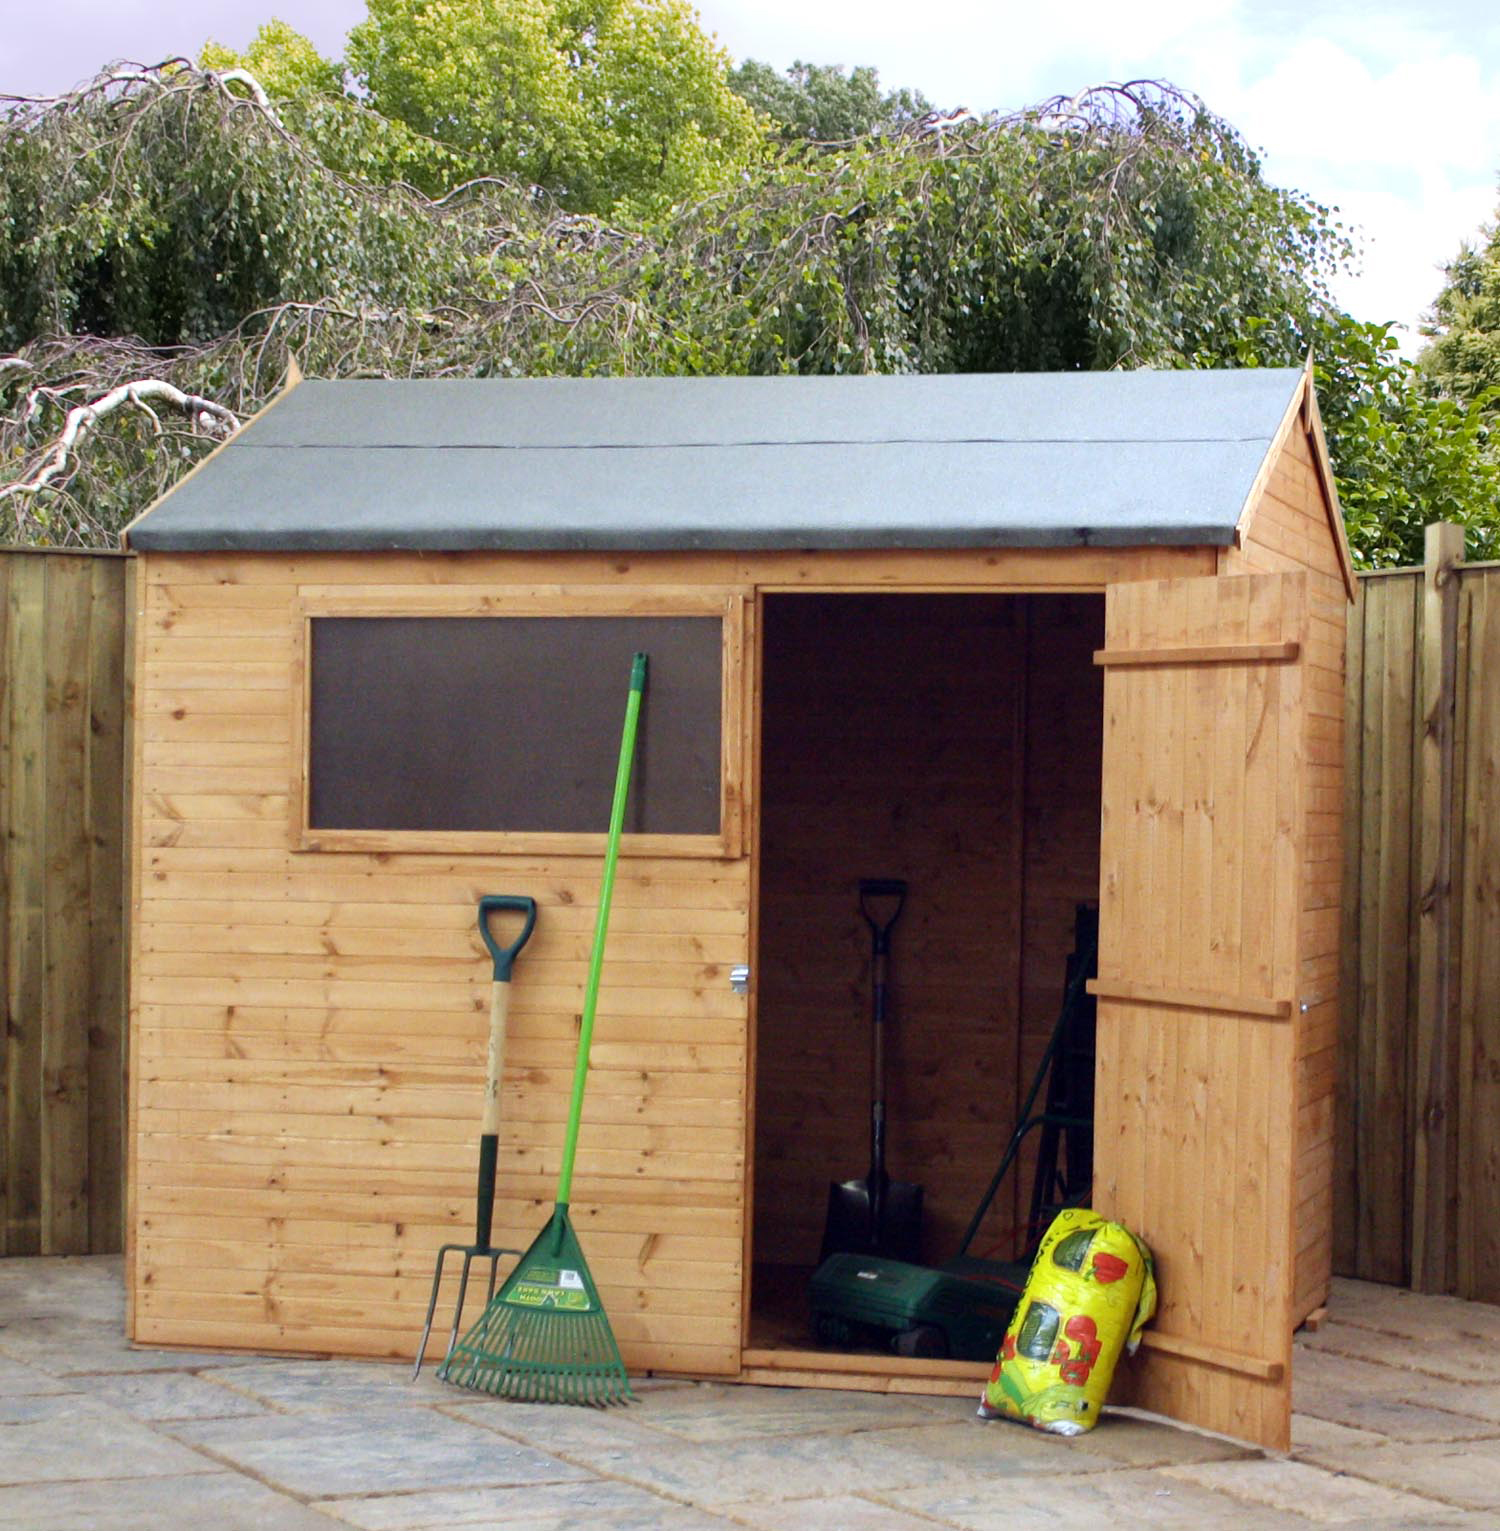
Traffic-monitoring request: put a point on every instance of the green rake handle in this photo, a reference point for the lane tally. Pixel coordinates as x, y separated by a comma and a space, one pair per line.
601, 924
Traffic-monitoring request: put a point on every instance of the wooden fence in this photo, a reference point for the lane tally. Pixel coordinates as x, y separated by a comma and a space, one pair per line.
1418, 1164
63, 710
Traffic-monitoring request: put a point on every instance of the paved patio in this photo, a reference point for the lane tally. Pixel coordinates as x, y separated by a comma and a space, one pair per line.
1398, 1425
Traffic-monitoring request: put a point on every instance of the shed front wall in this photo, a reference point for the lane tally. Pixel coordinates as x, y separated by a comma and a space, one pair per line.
308, 1026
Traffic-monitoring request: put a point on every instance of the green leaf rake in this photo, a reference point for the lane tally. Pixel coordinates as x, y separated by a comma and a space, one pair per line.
544, 1336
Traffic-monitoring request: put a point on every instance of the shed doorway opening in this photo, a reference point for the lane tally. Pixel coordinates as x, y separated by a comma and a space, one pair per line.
952, 742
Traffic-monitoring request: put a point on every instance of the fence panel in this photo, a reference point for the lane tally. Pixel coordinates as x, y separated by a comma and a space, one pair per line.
63, 712
1477, 907
1384, 687
1418, 1158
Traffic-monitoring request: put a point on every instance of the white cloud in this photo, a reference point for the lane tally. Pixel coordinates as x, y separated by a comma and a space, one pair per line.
1404, 254
1399, 130
1423, 112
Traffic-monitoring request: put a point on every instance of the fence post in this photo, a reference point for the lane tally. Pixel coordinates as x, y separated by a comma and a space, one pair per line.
1434, 1222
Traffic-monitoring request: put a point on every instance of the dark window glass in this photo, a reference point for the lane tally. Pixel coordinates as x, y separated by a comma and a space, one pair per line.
512, 723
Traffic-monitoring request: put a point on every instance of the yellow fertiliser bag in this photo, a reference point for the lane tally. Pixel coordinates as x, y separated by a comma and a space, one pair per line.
1090, 1293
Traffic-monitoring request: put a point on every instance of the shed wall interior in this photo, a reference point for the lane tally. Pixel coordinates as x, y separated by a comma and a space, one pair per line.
952, 741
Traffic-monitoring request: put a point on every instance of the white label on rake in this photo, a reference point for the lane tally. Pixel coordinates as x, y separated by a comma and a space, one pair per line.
571, 1280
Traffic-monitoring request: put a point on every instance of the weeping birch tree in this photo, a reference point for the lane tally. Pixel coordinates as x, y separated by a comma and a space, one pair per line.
178, 226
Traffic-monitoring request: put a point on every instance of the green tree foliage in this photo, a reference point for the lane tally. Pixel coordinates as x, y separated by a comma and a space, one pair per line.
1122, 228
609, 105
1463, 357
286, 63
167, 207
822, 103
329, 120
1405, 454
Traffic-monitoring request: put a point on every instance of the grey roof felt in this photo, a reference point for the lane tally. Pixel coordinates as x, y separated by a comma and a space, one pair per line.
979, 460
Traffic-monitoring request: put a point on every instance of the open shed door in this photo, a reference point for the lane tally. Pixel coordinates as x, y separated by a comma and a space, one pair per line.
1199, 907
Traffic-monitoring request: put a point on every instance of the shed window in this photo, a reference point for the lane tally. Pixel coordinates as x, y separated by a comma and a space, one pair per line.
511, 725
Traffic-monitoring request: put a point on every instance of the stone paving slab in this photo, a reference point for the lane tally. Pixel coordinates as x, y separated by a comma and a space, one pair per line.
1135, 1439
390, 1451
843, 1512
1398, 1427
1466, 1475
865, 1462
16, 1378
569, 1432
78, 1347
24, 1408
1404, 1405
80, 1438
994, 1451
217, 1501
338, 1384
1450, 1357
599, 1506
1325, 1499
728, 1412
1089, 1502
1311, 1434
164, 1395
770, 1468
1452, 1521
64, 1287
1415, 1316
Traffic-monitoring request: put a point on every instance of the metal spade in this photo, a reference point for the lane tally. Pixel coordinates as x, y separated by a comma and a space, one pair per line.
876, 1215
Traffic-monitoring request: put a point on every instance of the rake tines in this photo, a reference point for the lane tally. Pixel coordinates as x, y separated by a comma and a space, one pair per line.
544, 1337
546, 1357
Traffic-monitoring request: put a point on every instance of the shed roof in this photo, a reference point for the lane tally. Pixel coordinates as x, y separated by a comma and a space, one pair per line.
619, 464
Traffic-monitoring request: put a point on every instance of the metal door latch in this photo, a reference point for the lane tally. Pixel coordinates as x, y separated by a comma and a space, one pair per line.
739, 978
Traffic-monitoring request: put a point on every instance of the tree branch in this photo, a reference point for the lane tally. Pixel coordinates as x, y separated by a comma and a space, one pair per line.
228, 77
214, 419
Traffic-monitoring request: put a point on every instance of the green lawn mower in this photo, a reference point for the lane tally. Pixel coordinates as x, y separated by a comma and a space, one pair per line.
961, 1310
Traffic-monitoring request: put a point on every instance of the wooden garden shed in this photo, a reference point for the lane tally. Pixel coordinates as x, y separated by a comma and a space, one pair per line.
1025, 641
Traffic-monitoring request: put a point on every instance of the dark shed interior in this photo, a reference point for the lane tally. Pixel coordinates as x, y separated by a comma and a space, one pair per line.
952, 741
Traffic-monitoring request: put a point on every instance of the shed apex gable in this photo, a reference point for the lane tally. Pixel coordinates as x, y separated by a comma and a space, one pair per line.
1302, 413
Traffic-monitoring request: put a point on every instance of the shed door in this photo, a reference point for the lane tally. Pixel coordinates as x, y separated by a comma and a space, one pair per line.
1199, 903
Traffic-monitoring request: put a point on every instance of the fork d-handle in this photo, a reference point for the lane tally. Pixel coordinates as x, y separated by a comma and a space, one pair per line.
494, 1071
875, 896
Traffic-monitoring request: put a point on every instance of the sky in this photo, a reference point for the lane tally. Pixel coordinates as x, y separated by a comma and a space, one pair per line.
1388, 111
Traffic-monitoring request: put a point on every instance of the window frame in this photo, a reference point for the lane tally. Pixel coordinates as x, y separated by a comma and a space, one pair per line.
314, 601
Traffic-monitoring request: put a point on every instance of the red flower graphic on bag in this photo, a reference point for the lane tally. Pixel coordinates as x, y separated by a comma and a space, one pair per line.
1108, 1269
1082, 1330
